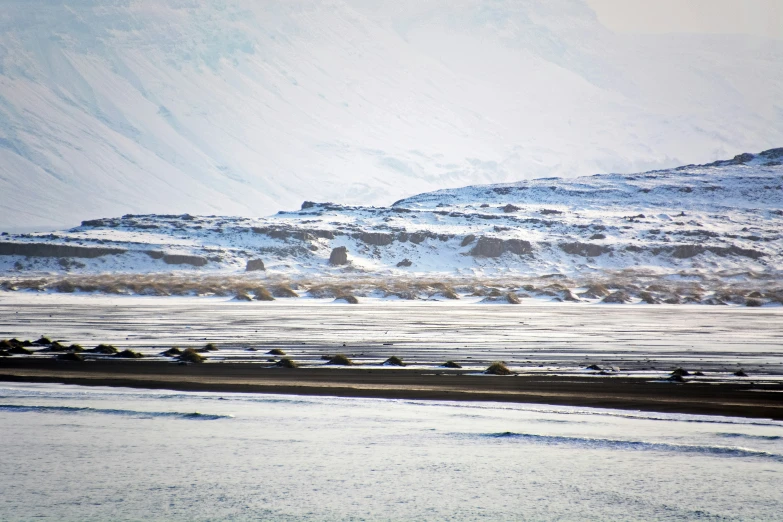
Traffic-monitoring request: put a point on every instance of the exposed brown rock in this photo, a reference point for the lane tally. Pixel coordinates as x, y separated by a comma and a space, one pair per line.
376, 238
178, 259
494, 247
339, 256
254, 265
46, 250
584, 249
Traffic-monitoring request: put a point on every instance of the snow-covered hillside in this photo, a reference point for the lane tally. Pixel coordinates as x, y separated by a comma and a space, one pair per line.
235, 107
721, 222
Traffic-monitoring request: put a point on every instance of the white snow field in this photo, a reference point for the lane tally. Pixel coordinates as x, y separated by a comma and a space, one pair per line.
84, 454
235, 107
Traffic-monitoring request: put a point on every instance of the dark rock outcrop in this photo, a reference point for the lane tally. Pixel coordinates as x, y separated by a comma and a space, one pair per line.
254, 265
510, 208
404, 263
468, 240
178, 259
494, 247
46, 250
688, 251
339, 256
584, 249
375, 238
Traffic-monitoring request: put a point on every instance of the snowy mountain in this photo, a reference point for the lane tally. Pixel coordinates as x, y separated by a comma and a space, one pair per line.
234, 107
718, 224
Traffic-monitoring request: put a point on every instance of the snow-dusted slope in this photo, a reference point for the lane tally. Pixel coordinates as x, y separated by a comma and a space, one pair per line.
236, 107
723, 220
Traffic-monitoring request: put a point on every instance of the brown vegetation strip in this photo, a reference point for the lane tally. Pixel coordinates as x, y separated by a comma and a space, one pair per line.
609, 392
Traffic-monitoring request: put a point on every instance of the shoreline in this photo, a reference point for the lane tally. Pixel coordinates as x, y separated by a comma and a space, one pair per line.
747, 399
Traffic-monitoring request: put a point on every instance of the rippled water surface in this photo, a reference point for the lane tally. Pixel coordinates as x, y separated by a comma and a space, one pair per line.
530, 337
73, 453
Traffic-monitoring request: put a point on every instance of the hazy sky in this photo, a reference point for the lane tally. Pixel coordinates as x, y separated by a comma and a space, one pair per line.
756, 17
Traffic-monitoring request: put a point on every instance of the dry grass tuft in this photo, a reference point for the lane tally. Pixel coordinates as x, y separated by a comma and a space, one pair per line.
393, 361
275, 351
105, 349
340, 360
192, 356
262, 294
512, 298
284, 290
129, 354
285, 362
498, 368
350, 299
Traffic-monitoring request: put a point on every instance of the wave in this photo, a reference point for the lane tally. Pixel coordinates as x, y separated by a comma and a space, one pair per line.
109, 411
726, 451
748, 436
599, 412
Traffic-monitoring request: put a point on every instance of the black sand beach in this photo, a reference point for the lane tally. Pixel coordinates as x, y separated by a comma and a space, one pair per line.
746, 399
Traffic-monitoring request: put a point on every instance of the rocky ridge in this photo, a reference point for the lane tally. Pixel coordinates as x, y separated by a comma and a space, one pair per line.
724, 219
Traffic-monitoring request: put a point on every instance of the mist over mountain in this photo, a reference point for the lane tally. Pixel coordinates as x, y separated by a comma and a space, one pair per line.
243, 108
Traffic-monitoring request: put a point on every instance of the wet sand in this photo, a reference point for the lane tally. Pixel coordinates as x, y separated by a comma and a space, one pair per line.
745, 399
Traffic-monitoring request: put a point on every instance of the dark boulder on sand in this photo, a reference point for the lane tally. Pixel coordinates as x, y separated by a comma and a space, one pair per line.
740, 373
275, 351
451, 364
681, 372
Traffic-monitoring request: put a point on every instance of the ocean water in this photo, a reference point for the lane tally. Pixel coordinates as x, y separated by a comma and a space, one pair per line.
78, 453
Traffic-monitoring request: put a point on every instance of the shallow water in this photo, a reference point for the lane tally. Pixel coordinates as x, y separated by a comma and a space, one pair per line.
534, 336
74, 453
